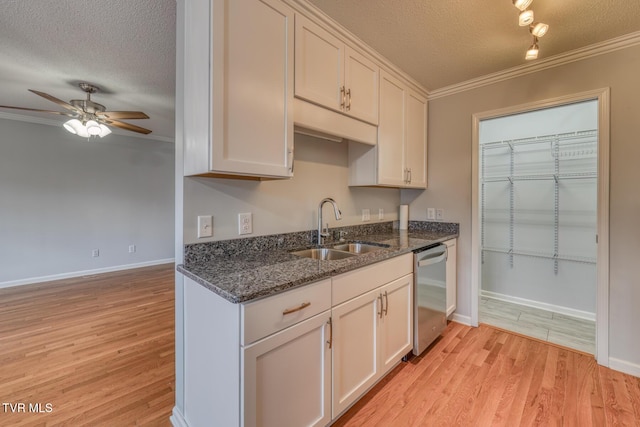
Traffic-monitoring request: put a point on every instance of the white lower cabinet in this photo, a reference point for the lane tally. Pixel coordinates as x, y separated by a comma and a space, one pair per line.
287, 376
372, 333
299, 358
355, 350
452, 282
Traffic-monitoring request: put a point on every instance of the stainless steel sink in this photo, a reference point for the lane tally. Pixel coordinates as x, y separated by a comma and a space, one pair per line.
324, 254
358, 248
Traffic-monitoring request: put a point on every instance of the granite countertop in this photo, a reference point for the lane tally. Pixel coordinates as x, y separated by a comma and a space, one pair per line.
265, 266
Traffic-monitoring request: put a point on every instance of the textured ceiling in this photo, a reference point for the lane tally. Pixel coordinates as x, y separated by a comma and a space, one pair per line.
127, 47
443, 42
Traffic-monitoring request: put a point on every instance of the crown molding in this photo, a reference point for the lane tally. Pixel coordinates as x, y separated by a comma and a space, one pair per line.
49, 122
622, 42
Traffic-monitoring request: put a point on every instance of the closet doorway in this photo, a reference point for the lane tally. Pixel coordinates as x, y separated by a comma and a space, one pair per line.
537, 205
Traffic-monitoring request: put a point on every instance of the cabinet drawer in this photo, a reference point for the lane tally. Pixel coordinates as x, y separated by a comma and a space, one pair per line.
267, 316
357, 282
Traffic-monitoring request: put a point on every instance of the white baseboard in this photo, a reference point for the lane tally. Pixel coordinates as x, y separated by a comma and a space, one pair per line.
465, 320
32, 280
177, 419
624, 366
541, 305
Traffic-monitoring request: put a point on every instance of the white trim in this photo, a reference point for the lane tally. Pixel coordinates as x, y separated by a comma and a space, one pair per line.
602, 287
540, 305
56, 123
624, 366
177, 419
596, 49
40, 279
465, 320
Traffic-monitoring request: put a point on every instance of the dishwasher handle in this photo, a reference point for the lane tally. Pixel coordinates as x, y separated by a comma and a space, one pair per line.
438, 257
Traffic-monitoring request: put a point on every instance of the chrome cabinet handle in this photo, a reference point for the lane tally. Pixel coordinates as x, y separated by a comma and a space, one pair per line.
386, 305
381, 309
342, 96
298, 308
349, 98
330, 342
409, 175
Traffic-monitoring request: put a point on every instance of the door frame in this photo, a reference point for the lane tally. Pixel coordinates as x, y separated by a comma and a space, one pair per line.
602, 264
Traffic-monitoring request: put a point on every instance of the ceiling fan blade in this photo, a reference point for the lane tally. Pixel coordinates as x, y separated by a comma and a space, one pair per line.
119, 115
39, 111
127, 126
56, 100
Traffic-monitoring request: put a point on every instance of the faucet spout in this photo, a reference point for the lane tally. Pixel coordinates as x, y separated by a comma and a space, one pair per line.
337, 213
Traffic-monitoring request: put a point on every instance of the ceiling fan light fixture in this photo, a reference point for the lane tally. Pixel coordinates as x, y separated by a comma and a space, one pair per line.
104, 131
93, 128
525, 18
72, 126
522, 4
538, 29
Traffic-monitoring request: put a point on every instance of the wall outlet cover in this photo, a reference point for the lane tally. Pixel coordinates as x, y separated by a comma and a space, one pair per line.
380, 213
439, 214
205, 226
431, 213
245, 223
366, 215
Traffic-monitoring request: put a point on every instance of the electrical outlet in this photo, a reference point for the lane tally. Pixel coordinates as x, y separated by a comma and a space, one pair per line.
366, 215
205, 226
245, 223
431, 213
380, 213
95, 253
439, 214
132, 249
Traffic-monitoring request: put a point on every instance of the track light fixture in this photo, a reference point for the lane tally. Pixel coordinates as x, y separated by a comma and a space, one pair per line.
532, 53
537, 29
522, 4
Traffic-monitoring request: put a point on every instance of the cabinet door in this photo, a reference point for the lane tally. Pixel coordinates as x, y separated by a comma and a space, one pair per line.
416, 140
361, 83
355, 355
396, 330
452, 282
287, 377
391, 128
252, 128
319, 65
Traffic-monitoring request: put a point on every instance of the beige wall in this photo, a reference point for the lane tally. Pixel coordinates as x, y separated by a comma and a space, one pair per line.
282, 206
449, 166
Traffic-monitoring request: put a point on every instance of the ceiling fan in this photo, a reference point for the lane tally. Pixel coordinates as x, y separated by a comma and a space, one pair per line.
89, 118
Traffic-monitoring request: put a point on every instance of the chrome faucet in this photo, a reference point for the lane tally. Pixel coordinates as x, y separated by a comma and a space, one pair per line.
325, 233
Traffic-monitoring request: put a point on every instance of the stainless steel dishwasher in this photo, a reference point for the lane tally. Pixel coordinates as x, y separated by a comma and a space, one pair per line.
429, 296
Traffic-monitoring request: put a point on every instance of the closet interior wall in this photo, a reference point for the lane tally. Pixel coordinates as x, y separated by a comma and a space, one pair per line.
538, 200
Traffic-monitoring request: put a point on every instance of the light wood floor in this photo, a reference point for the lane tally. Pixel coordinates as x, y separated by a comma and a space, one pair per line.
545, 325
489, 377
99, 350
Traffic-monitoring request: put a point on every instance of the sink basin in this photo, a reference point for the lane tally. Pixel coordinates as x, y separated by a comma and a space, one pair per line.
324, 254
358, 248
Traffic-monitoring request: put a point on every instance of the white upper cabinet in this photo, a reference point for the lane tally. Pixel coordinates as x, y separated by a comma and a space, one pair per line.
400, 157
251, 117
332, 74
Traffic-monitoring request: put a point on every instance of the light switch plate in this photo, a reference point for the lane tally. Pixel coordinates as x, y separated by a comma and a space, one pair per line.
245, 223
431, 213
205, 226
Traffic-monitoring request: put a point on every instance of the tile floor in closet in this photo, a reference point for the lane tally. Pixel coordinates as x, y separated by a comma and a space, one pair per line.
568, 331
